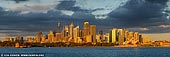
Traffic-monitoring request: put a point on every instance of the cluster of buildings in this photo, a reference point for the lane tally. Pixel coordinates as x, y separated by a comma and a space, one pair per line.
88, 34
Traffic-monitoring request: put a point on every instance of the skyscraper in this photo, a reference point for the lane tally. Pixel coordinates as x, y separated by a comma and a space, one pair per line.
101, 36
50, 36
58, 37
127, 35
76, 33
86, 28
120, 36
66, 31
136, 36
93, 32
112, 36
71, 30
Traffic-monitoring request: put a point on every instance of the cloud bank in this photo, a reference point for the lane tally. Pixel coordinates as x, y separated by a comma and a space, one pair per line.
146, 16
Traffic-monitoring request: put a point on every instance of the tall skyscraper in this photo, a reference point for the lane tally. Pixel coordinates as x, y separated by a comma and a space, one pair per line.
66, 31
58, 37
93, 32
62, 33
120, 36
86, 28
50, 36
136, 36
71, 30
112, 36
76, 33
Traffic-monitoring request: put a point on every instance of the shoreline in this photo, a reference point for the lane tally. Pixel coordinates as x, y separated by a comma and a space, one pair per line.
102, 47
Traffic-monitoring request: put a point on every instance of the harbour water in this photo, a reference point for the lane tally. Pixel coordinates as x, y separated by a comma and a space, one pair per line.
93, 52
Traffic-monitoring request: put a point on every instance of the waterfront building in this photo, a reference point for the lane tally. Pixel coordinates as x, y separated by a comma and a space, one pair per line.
145, 39
62, 33
71, 30
112, 36
76, 32
50, 36
86, 28
80, 33
107, 37
121, 38
66, 31
29, 39
93, 32
127, 38
38, 36
89, 39
140, 38
98, 39
101, 37
58, 37
136, 36
43, 39
130, 35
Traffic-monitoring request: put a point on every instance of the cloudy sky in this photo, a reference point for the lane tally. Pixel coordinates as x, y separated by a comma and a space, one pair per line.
28, 16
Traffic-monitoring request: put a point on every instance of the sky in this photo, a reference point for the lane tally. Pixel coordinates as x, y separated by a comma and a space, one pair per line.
29, 16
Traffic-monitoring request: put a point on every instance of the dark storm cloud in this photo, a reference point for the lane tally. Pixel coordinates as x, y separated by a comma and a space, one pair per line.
70, 6
141, 12
17, 1
135, 13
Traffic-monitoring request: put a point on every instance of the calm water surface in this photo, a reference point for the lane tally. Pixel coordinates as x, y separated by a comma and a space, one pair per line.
92, 52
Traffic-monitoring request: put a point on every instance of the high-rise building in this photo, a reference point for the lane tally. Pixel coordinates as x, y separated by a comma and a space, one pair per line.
136, 36
71, 30
81, 33
38, 36
86, 29
127, 38
58, 37
93, 32
112, 36
50, 36
121, 38
62, 33
140, 38
43, 39
89, 38
66, 31
76, 33
130, 35
101, 37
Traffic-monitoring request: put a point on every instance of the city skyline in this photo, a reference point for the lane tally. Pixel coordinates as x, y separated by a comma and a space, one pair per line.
27, 17
71, 34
